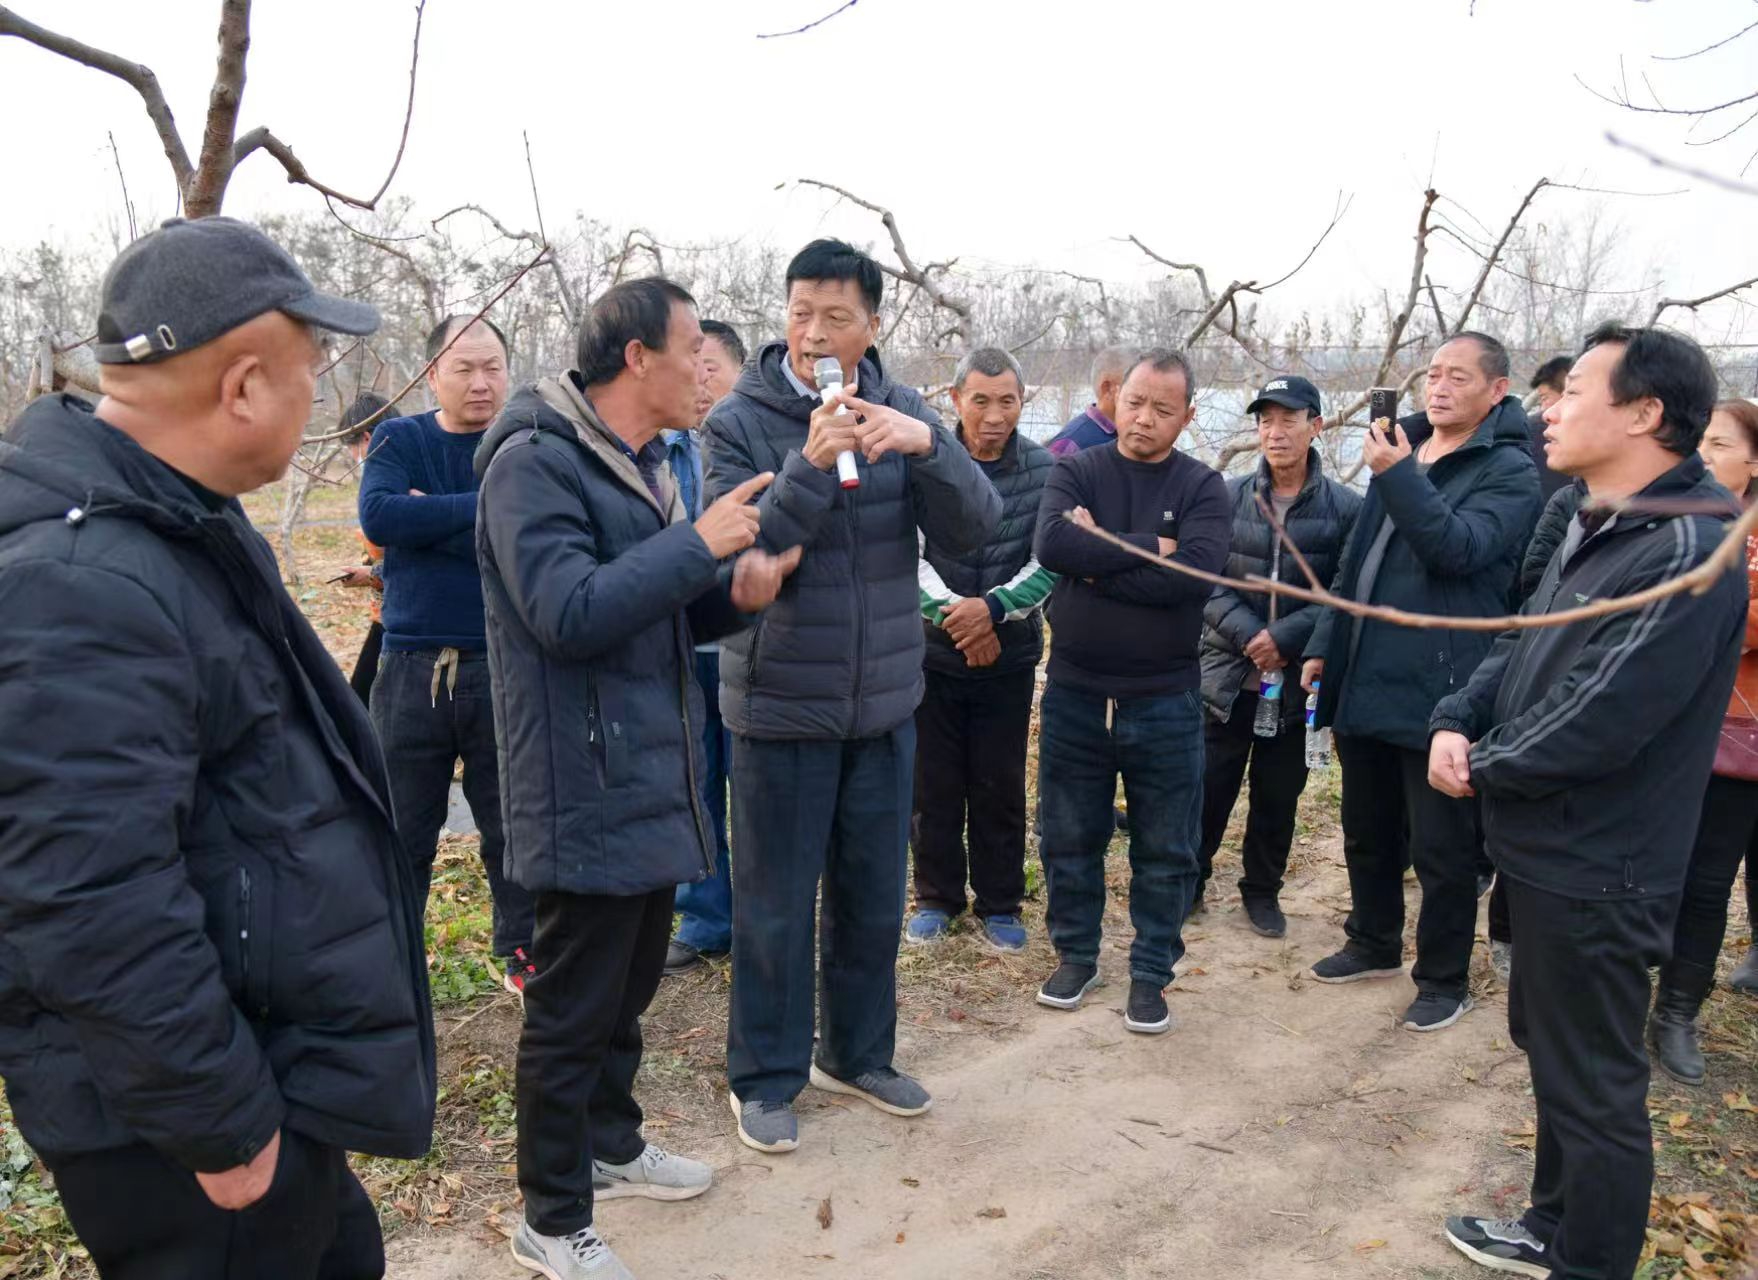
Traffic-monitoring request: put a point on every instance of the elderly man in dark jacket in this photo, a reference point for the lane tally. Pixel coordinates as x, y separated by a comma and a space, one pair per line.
819, 695
1447, 516
597, 587
1249, 635
211, 964
1590, 745
984, 635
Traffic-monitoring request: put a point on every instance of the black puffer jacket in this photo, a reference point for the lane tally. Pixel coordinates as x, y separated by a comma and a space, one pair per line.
1459, 532
1319, 523
1019, 478
1548, 535
839, 653
586, 581
1594, 740
206, 929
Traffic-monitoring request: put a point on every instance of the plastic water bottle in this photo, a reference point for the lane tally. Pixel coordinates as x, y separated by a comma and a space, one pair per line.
1318, 741
1269, 704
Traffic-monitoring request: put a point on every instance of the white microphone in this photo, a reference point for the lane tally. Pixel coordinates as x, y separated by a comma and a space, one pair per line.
827, 373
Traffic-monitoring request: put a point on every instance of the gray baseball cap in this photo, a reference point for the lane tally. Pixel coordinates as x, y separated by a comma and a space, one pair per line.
195, 279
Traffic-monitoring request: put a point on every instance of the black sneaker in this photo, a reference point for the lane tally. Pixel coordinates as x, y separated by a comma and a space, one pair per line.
1068, 986
1349, 965
1265, 915
1434, 1011
1500, 1244
1146, 1011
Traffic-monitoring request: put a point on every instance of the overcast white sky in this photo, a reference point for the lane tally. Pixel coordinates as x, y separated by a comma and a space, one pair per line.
1021, 133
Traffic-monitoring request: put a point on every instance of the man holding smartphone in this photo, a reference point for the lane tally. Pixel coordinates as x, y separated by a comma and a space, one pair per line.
1448, 512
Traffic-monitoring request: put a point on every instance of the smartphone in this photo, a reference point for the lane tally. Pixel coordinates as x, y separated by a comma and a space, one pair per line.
1382, 402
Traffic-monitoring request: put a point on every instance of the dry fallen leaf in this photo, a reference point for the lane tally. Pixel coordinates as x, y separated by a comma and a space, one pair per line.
1738, 1102
994, 1211
1678, 1119
824, 1214
1705, 1219
1367, 1246
911, 1182
900, 1237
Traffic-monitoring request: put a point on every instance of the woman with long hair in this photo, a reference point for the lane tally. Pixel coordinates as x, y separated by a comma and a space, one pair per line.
1727, 832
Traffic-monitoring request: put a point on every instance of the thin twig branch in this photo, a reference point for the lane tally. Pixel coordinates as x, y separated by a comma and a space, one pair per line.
1684, 57
127, 203
1691, 304
1496, 252
1662, 162
421, 373
1730, 553
915, 275
817, 22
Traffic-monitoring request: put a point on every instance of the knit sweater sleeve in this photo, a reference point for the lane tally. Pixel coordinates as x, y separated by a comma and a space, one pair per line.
393, 517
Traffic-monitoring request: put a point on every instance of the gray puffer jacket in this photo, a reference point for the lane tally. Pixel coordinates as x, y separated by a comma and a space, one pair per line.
839, 653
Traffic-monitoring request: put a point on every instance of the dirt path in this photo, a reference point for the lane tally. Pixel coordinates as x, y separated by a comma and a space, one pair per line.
1283, 1129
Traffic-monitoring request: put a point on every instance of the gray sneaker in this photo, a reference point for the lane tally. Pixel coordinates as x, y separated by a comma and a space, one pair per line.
1501, 960
891, 1091
580, 1256
766, 1126
656, 1173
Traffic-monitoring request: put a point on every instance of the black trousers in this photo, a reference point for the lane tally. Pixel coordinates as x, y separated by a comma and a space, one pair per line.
1577, 1004
425, 733
366, 665
1278, 775
599, 960
1392, 818
971, 785
144, 1217
1725, 834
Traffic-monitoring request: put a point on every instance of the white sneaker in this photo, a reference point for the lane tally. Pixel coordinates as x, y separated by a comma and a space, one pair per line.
580, 1256
656, 1173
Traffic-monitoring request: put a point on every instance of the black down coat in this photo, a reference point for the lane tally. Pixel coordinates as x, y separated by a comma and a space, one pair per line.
1458, 534
1319, 523
1018, 478
839, 653
595, 594
206, 928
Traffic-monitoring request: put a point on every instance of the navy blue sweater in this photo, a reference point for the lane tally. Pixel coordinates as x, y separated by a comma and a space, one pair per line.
433, 592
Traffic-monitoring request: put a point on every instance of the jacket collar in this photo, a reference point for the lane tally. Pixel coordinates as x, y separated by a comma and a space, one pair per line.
565, 396
1314, 475
1505, 424
1009, 459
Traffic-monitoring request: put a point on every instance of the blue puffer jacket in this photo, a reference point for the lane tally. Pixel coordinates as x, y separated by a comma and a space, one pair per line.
839, 653
594, 594
1458, 534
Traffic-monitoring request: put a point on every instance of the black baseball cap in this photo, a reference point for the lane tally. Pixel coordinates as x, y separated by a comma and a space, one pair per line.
196, 278
1291, 392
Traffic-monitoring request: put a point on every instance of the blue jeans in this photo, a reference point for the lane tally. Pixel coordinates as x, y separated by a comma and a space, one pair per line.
1157, 745
705, 908
805, 813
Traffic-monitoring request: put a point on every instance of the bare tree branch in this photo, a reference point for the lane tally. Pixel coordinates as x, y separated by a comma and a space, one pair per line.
1683, 57
915, 275
263, 139
1496, 252
127, 203
206, 190
1621, 98
1729, 554
570, 309
1662, 162
136, 75
1202, 279
817, 22
1691, 304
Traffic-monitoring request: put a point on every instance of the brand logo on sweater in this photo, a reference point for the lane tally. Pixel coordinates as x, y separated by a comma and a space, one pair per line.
1168, 515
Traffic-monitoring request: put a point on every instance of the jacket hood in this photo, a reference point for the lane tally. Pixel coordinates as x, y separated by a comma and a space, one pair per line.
559, 405
1505, 425
60, 461
762, 380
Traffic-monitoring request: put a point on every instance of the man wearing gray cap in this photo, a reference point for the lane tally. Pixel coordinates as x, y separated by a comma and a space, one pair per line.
212, 982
